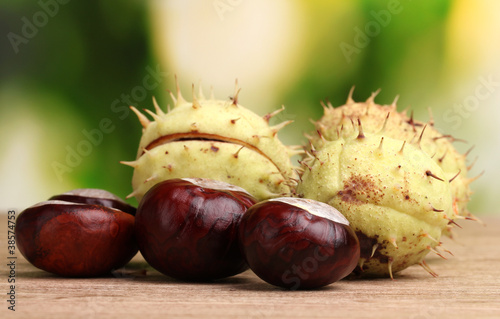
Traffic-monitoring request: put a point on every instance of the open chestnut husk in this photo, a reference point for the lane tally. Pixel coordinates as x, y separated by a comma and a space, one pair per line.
298, 243
75, 239
187, 228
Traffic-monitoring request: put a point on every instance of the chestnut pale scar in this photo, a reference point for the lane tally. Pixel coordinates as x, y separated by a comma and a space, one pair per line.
197, 136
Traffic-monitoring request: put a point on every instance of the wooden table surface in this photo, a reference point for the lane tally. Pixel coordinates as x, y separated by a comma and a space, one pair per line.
468, 286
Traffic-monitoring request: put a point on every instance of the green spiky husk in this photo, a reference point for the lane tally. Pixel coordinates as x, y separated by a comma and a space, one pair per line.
391, 193
213, 139
386, 120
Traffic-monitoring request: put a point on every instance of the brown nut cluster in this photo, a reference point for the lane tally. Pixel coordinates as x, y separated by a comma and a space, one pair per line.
191, 229
199, 229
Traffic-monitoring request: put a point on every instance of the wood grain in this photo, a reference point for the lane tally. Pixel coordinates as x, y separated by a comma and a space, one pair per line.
468, 286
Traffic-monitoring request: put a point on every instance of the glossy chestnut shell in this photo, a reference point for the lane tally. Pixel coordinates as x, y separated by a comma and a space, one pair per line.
94, 196
291, 246
74, 239
187, 229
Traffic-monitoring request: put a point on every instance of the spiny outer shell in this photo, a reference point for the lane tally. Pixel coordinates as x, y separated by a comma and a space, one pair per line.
400, 126
249, 154
213, 160
386, 195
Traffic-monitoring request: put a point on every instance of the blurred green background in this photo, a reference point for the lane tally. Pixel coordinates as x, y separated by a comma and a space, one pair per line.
70, 69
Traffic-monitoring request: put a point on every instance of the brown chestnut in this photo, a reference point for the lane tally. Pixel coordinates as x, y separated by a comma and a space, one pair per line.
77, 239
298, 243
187, 228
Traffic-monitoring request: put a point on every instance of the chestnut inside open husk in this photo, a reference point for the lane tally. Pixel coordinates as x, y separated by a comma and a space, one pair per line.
76, 239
